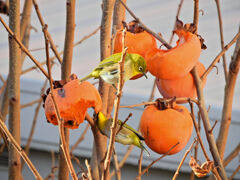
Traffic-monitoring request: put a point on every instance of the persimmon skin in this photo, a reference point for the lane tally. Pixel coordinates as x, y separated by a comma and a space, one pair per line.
178, 61
162, 129
73, 100
181, 87
139, 43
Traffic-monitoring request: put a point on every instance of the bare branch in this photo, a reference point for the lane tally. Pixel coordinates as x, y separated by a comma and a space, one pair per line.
183, 159
19, 150
235, 172
59, 119
53, 46
222, 39
145, 27
152, 163
231, 156
24, 49
212, 65
116, 109
228, 100
207, 126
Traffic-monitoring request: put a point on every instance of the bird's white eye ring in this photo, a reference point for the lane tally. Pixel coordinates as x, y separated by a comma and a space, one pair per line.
140, 68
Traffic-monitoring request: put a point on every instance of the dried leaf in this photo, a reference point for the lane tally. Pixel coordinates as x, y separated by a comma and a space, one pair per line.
200, 170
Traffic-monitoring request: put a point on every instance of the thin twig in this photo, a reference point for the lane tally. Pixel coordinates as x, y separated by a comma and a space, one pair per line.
19, 150
140, 165
53, 169
146, 28
24, 49
234, 68
207, 126
124, 122
80, 139
158, 159
34, 122
231, 156
116, 165
198, 133
183, 159
59, 119
211, 66
125, 157
175, 23
215, 123
30, 103
78, 163
60, 53
222, 39
89, 174
116, 109
235, 172
53, 46
179, 100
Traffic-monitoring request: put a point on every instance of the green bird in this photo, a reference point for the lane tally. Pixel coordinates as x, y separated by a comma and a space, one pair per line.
108, 68
126, 135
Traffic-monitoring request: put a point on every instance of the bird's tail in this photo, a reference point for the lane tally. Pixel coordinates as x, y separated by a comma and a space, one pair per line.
86, 77
144, 149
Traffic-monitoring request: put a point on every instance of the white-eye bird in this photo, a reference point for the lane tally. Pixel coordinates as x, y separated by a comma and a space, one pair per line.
126, 135
108, 68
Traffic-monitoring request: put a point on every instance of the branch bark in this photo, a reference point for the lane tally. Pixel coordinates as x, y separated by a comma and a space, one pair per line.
14, 171
53, 46
228, 100
63, 173
207, 126
222, 39
100, 141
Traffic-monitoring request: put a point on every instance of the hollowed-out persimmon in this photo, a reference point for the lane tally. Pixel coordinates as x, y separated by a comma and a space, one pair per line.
164, 128
178, 61
136, 40
180, 87
73, 100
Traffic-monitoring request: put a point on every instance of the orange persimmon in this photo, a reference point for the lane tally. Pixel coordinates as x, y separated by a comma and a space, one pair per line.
178, 61
137, 40
180, 87
73, 100
162, 128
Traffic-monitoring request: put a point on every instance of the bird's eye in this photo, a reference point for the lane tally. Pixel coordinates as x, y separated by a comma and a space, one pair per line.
140, 68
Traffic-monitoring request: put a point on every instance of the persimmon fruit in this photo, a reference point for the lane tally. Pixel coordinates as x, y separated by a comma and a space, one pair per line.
73, 99
136, 40
178, 61
181, 87
165, 127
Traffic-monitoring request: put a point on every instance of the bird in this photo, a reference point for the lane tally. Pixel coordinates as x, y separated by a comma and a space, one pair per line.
125, 135
108, 70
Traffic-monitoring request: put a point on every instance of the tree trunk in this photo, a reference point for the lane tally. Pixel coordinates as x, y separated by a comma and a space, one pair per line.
66, 72
14, 89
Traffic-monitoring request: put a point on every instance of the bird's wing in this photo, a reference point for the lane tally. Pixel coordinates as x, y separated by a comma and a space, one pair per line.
131, 129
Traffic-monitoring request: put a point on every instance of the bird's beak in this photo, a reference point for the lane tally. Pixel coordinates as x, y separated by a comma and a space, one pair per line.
144, 74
